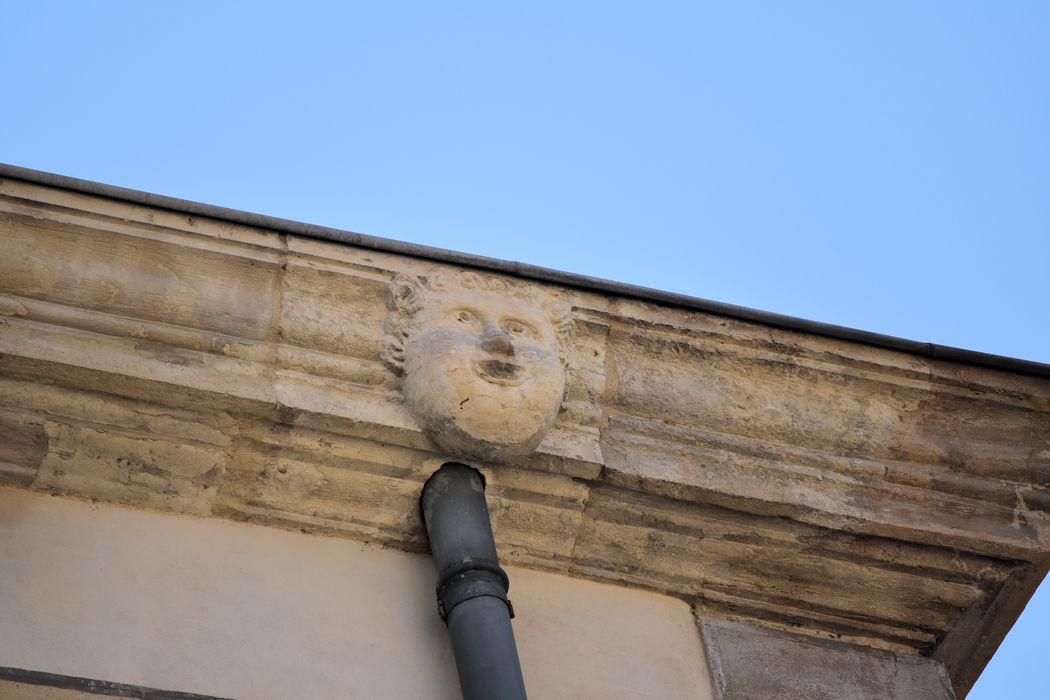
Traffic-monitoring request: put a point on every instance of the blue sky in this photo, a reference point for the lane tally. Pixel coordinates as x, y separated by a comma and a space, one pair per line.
884, 165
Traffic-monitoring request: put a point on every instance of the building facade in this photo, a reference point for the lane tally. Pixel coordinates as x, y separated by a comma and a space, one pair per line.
215, 428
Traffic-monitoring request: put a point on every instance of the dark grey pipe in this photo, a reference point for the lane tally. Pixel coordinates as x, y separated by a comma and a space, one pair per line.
472, 587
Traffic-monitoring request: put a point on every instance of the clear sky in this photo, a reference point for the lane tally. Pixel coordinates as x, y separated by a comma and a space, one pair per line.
880, 165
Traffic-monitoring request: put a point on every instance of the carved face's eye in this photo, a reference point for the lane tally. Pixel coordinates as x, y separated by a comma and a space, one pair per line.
516, 327
465, 317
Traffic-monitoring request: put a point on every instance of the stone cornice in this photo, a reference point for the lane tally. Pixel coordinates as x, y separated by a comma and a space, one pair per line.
519, 269
805, 482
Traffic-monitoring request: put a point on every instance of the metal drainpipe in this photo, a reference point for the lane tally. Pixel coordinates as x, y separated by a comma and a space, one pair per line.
472, 587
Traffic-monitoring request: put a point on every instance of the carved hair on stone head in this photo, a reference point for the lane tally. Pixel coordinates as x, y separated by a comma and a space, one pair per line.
409, 293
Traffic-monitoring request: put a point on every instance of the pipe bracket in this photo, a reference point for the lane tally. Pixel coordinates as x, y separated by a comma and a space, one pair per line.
468, 583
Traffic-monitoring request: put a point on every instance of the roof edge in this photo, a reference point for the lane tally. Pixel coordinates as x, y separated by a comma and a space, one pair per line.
527, 271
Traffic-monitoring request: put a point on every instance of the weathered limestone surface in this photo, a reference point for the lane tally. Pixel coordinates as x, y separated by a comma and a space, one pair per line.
799, 482
751, 663
24, 691
482, 361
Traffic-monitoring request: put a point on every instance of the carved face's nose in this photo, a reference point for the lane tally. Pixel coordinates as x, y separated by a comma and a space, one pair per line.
496, 341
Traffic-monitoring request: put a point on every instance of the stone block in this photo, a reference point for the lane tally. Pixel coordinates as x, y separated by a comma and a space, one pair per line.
130, 468
918, 678
749, 662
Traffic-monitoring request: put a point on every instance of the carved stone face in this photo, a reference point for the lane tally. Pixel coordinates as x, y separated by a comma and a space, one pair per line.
482, 373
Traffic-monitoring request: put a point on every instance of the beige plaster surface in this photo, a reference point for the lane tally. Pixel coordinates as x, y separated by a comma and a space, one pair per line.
235, 610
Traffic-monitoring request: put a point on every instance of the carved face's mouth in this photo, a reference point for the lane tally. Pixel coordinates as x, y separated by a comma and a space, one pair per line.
501, 372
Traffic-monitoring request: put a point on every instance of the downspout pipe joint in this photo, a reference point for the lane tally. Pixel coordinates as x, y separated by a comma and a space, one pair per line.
472, 586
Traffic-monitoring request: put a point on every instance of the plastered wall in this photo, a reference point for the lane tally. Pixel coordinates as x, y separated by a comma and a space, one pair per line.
241, 611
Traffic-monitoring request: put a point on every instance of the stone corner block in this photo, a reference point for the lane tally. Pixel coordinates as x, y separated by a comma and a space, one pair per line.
749, 662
